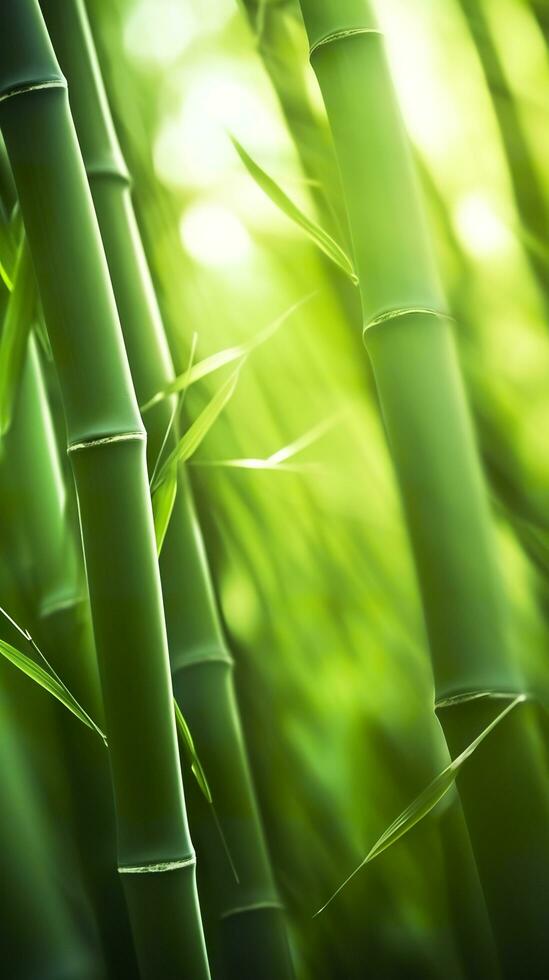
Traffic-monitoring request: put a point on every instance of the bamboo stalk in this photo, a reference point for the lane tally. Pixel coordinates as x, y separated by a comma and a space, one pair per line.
41, 933
527, 186
252, 931
45, 558
60, 624
107, 449
408, 335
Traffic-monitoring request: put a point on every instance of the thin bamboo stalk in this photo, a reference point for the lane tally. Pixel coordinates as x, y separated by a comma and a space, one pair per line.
408, 335
527, 187
107, 448
252, 935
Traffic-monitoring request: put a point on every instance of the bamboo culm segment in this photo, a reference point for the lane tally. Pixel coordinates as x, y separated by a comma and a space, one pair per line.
46, 935
409, 338
111, 479
201, 666
42, 542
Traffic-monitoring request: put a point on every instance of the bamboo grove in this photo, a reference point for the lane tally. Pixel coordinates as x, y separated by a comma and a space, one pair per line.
274, 366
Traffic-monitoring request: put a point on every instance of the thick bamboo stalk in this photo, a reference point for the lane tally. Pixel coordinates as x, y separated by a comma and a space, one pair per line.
408, 335
107, 448
46, 560
252, 934
315, 149
60, 623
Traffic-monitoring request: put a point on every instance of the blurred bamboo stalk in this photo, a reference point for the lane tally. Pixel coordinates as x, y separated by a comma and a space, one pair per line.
408, 335
528, 189
48, 923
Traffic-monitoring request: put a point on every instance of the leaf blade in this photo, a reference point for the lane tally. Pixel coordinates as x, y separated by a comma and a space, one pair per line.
197, 431
163, 501
425, 802
187, 741
15, 334
49, 683
321, 238
223, 358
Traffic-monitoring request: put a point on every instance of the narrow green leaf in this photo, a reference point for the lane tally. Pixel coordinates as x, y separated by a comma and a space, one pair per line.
191, 439
4, 275
162, 502
6, 255
279, 460
223, 357
187, 743
426, 801
15, 333
321, 238
45, 680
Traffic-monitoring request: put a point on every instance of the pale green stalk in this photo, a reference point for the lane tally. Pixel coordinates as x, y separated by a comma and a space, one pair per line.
409, 337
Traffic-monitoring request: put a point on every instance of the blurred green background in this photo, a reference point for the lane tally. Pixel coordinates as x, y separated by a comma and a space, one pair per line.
310, 558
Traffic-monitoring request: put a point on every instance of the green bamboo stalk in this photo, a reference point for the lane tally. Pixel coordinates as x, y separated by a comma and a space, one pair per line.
252, 935
470, 919
41, 933
60, 623
107, 449
44, 557
527, 186
408, 335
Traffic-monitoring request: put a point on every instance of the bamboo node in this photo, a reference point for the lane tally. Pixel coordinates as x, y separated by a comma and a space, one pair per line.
158, 867
341, 35
108, 171
106, 440
26, 87
208, 653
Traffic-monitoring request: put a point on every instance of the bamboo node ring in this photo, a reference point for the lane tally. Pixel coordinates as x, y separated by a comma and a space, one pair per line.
26, 87
341, 34
157, 867
105, 441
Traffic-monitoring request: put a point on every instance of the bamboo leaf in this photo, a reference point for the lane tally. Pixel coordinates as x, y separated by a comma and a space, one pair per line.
321, 238
4, 274
192, 438
187, 743
162, 502
6, 255
223, 357
49, 683
15, 333
425, 802
279, 460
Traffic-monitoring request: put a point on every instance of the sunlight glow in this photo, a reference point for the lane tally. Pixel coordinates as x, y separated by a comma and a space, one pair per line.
479, 227
157, 31
192, 147
213, 235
